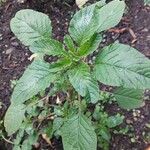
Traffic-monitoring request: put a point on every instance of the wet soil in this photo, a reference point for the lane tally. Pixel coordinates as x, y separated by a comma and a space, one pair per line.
134, 30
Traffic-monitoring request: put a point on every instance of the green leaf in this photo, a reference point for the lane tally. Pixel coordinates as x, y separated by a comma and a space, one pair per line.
30, 26
114, 121
48, 47
84, 23
57, 123
105, 134
94, 19
122, 65
69, 43
78, 134
90, 45
129, 98
36, 78
83, 82
61, 64
147, 2
13, 118
110, 14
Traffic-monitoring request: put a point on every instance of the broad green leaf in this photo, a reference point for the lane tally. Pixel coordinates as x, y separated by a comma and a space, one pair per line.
85, 23
78, 134
36, 78
48, 47
13, 118
110, 14
30, 26
89, 46
129, 98
83, 82
122, 65
94, 19
69, 43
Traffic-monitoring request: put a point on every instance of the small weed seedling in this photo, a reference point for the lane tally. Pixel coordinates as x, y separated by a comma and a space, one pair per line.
116, 65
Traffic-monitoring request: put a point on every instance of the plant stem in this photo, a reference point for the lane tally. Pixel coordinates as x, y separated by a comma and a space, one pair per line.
79, 98
8, 141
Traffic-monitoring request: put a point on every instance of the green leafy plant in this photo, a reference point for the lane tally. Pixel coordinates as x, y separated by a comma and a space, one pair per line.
147, 2
116, 65
2, 1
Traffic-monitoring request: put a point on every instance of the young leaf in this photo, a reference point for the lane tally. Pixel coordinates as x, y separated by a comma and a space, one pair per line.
61, 64
30, 26
89, 46
129, 98
13, 118
84, 23
94, 19
36, 78
122, 65
114, 121
69, 43
83, 82
110, 14
78, 134
48, 47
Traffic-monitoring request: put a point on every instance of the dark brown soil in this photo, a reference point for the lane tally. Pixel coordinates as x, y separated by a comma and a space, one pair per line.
14, 57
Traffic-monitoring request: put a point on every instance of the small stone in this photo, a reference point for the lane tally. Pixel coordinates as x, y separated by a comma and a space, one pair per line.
8, 51
36, 145
104, 40
21, 1
90, 61
94, 58
1, 37
13, 38
147, 125
135, 119
134, 114
104, 35
129, 121
133, 140
145, 30
14, 44
138, 111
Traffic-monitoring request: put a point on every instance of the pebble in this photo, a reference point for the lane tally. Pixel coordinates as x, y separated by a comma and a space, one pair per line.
104, 40
97, 51
8, 51
1, 37
135, 119
134, 114
14, 44
90, 61
145, 30
129, 121
13, 38
21, 1
93, 58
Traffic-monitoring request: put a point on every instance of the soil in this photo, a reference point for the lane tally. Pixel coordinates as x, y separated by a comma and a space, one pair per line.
134, 29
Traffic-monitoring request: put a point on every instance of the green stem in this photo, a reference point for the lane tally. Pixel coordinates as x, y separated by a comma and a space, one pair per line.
79, 98
8, 141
